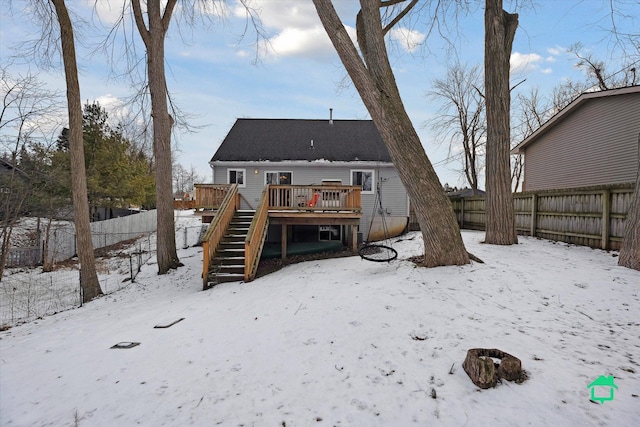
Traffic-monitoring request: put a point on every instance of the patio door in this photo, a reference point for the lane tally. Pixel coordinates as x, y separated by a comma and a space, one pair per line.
278, 178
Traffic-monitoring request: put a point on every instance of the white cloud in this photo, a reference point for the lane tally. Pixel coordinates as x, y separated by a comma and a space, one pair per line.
293, 26
546, 71
114, 106
524, 62
108, 11
278, 14
300, 42
555, 51
408, 39
550, 59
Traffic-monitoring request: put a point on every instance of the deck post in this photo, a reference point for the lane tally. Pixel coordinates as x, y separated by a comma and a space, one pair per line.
284, 241
354, 238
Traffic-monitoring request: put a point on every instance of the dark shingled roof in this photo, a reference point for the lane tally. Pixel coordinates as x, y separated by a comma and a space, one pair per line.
290, 139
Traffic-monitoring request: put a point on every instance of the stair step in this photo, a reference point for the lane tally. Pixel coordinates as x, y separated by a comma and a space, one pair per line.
236, 237
227, 269
225, 277
229, 253
232, 244
231, 260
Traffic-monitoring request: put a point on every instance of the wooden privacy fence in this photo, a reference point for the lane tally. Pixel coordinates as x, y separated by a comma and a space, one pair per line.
592, 216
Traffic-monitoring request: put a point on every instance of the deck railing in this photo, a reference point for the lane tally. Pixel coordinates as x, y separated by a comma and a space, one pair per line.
210, 196
314, 197
217, 228
255, 237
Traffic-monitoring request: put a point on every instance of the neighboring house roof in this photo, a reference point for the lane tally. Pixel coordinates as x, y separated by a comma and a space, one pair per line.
566, 111
302, 140
9, 166
465, 192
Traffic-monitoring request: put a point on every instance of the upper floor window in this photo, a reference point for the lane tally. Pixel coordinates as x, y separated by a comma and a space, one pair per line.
363, 178
237, 176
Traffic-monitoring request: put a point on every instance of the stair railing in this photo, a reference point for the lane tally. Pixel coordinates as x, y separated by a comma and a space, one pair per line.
217, 228
254, 241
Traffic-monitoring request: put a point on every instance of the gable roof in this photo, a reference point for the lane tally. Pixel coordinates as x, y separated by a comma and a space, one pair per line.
291, 139
566, 111
9, 166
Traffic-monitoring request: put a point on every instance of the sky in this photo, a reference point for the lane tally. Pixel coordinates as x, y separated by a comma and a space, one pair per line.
334, 342
217, 71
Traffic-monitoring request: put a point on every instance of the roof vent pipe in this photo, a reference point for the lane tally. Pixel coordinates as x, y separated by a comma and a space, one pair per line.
330, 116
312, 143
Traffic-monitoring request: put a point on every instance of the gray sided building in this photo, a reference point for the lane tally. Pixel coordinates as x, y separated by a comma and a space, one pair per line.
257, 152
593, 141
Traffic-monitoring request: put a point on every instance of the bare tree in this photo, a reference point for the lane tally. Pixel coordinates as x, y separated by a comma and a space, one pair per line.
184, 179
531, 112
153, 36
500, 30
373, 78
630, 249
88, 276
462, 121
25, 114
598, 75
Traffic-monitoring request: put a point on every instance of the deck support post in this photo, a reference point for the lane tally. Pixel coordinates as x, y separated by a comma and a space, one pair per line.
354, 238
284, 241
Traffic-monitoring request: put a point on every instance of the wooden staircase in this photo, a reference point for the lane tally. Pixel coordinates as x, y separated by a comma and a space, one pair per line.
228, 264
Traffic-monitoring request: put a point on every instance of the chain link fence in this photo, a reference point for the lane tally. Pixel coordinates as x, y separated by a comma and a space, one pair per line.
27, 294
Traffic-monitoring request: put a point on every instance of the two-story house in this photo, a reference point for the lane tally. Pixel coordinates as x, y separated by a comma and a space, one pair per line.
328, 180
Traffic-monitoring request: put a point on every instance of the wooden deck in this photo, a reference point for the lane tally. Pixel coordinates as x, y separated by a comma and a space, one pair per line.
280, 204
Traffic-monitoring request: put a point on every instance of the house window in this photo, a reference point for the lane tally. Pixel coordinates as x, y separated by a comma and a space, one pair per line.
277, 178
364, 178
236, 176
329, 232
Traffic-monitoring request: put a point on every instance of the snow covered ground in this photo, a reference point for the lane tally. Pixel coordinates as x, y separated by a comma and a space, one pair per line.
339, 342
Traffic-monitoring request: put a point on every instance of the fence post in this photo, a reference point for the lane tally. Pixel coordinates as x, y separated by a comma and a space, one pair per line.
534, 215
461, 213
606, 218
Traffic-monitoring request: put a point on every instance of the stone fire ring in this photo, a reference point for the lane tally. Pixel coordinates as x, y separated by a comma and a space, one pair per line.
484, 373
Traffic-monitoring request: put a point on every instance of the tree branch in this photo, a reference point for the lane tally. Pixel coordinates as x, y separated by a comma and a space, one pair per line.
401, 15
142, 29
166, 17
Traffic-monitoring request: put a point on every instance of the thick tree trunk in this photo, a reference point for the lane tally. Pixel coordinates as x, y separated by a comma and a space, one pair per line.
88, 277
162, 122
377, 88
630, 250
500, 30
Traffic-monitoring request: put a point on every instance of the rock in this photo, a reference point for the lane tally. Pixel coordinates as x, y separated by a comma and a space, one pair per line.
484, 373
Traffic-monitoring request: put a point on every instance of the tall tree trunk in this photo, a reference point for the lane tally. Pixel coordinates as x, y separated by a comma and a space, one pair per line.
500, 30
153, 38
88, 276
630, 250
376, 85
